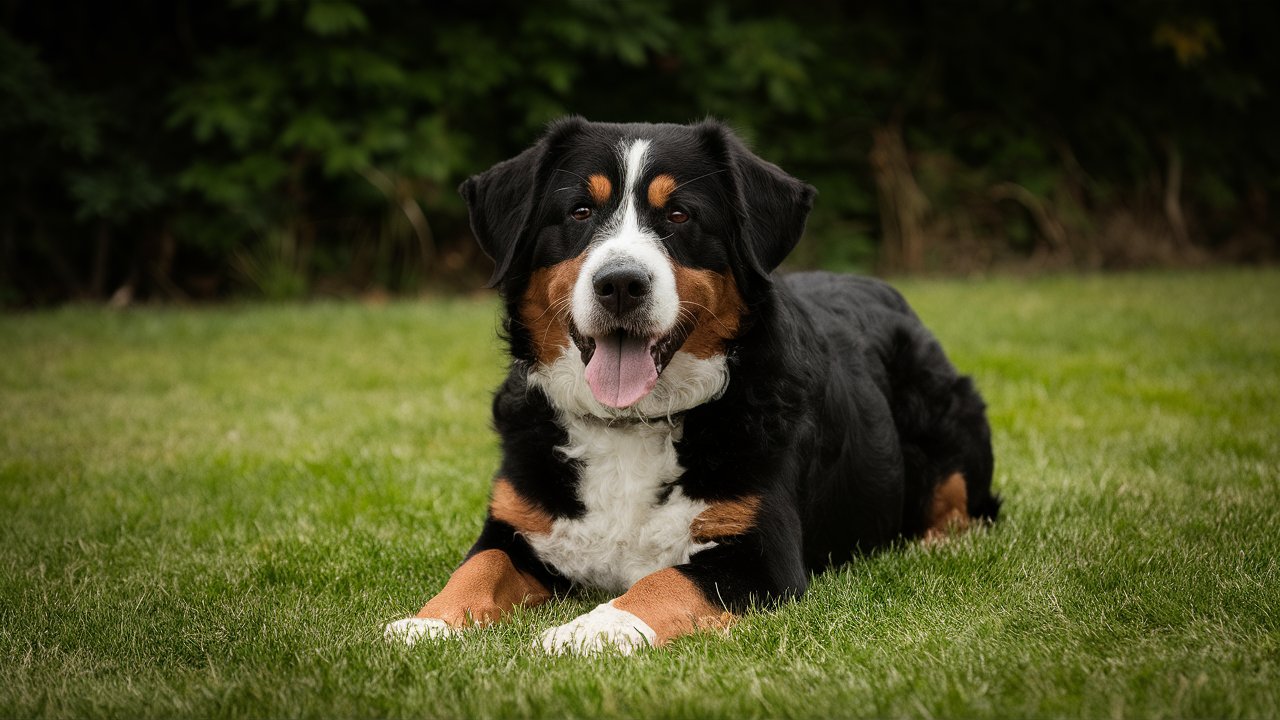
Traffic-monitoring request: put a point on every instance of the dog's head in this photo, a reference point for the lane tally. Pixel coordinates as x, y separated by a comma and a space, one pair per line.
630, 256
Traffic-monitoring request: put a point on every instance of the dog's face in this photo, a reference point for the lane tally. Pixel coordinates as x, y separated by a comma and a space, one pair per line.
630, 256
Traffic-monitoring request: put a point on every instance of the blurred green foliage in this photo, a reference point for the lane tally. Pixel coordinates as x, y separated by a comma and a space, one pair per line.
313, 146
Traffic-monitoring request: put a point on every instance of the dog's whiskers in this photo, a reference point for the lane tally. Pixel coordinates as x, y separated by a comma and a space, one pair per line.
686, 182
709, 312
570, 172
555, 306
558, 318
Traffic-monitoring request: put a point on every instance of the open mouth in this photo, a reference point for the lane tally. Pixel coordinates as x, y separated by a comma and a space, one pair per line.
623, 367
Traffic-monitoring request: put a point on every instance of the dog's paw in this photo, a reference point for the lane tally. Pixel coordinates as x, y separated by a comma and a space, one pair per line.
411, 630
604, 629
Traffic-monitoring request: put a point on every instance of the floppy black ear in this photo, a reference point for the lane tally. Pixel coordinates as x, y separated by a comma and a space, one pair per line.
501, 199
773, 205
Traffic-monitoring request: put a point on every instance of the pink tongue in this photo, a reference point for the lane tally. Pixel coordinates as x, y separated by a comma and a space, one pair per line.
621, 370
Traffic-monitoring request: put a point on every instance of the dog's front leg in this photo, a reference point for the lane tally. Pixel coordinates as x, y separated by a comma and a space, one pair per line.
656, 609
481, 591
705, 593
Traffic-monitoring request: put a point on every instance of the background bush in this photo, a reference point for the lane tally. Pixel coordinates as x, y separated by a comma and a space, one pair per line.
197, 149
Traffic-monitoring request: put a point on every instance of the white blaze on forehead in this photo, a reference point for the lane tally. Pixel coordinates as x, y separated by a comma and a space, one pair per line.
633, 158
623, 239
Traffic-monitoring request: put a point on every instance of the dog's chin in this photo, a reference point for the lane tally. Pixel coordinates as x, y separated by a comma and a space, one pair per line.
622, 366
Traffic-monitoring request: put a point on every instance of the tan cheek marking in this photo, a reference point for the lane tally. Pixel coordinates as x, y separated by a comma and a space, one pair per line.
712, 299
483, 590
950, 508
600, 188
508, 506
660, 190
725, 519
672, 605
545, 308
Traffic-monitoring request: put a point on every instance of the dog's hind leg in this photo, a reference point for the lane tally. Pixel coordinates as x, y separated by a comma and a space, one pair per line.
962, 489
948, 511
946, 441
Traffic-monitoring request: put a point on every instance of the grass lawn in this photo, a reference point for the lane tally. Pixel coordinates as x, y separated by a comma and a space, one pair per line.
213, 511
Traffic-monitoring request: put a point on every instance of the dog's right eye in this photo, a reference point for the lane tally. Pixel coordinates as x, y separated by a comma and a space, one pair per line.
581, 213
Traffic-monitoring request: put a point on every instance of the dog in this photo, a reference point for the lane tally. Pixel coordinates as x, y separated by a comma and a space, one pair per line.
681, 427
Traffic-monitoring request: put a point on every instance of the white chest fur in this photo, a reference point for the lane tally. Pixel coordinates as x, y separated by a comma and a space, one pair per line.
627, 531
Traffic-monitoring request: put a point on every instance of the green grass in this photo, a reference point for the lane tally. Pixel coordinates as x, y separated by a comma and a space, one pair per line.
213, 511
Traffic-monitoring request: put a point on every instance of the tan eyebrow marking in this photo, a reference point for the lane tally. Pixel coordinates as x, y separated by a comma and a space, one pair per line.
660, 190
600, 188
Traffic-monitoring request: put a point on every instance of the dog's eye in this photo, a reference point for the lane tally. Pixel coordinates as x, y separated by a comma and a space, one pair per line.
677, 216
581, 213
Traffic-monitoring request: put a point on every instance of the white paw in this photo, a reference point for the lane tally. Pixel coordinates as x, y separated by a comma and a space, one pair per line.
410, 630
600, 630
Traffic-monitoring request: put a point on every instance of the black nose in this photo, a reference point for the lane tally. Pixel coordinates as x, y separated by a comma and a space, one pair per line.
621, 288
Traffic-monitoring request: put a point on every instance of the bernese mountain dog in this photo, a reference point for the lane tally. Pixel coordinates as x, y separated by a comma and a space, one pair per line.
680, 427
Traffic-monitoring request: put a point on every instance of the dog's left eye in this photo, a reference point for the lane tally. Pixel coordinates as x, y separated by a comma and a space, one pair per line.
677, 216
581, 213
